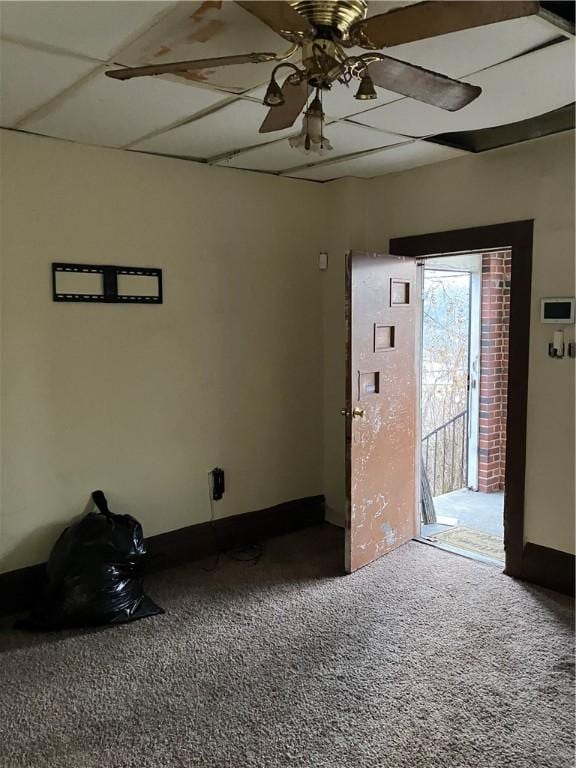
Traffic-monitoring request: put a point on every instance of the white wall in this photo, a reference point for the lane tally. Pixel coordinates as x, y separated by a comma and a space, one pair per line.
531, 180
143, 400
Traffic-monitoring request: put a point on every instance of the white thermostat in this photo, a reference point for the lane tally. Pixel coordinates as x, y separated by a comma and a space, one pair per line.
557, 311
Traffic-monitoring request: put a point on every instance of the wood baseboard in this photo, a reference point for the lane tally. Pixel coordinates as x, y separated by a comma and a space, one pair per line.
166, 550
17, 588
196, 541
550, 568
545, 567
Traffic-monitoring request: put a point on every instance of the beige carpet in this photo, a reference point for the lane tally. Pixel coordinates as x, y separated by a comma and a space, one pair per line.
422, 660
479, 542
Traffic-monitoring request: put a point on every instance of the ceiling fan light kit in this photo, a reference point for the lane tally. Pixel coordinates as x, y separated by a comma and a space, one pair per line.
322, 30
274, 96
311, 139
366, 90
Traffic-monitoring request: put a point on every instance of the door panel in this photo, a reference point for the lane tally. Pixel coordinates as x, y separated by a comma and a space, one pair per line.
474, 377
381, 405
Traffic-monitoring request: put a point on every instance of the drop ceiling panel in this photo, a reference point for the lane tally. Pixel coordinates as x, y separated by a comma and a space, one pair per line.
462, 53
390, 160
112, 113
30, 77
345, 139
225, 130
200, 30
273, 157
90, 27
515, 90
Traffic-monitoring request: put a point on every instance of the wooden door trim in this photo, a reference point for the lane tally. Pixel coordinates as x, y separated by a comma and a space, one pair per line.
516, 236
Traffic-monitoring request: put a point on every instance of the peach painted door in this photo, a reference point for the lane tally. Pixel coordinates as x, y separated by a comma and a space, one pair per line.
382, 311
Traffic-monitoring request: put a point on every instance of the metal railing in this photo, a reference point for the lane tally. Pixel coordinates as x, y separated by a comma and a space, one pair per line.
445, 455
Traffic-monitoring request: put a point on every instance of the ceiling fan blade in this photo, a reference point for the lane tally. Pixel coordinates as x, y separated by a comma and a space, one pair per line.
284, 116
429, 19
183, 66
422, 85
280, 17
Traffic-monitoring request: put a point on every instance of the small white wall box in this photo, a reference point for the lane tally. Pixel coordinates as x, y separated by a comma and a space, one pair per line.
557, 311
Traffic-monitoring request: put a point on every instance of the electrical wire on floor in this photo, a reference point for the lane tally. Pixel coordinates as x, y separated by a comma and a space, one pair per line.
250, 554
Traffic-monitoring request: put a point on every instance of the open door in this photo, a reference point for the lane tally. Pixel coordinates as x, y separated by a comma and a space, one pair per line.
381, 405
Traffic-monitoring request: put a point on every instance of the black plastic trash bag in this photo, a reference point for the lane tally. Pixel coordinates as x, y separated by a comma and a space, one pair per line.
95, 574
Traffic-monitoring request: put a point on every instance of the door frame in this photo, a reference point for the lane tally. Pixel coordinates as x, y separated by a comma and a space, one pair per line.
516, 236
474, 334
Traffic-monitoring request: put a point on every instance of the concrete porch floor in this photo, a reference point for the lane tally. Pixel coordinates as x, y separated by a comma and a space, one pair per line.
479, 511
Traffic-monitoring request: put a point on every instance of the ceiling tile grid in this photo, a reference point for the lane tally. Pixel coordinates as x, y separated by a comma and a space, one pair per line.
232, 126
472, 50
53, 56
379, 163
31, 77
512, 91
94, 29
279, 155
202, 30
115, 114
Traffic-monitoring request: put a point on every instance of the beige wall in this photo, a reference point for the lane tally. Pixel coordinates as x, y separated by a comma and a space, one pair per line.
144, 400
532, 180
243, 366
345, 231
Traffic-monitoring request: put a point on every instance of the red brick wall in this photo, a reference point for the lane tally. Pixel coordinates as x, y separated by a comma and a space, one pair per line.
494, 321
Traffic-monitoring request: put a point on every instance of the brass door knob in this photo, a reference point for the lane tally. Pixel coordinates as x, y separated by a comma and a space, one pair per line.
358, 413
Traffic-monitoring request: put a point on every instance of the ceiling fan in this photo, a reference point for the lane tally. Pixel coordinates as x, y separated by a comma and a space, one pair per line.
322, 30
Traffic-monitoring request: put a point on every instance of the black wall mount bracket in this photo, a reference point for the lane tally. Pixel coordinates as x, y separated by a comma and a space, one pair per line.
107, 292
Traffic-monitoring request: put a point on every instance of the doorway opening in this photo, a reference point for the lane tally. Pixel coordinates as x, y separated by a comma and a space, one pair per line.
463, 402
382, 438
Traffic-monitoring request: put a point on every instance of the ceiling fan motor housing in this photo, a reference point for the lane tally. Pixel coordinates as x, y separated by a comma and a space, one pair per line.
337, 16
322, 74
